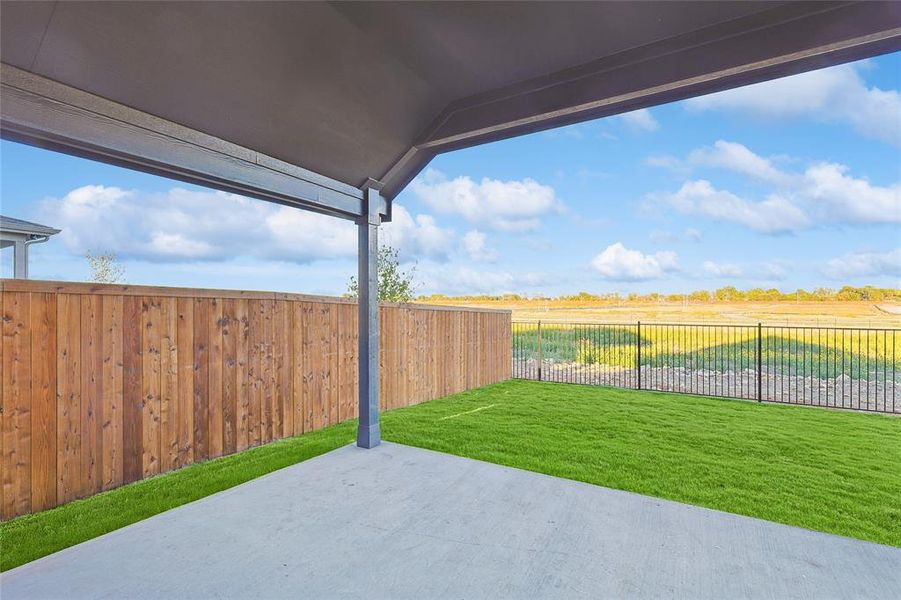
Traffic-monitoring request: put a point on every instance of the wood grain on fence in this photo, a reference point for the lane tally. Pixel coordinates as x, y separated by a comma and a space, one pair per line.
103, 385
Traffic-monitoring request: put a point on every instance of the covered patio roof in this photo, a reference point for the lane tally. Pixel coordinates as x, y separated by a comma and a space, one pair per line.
335, 107
359, 90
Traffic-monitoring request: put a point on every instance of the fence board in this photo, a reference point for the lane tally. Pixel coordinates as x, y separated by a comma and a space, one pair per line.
132, 376
331, 333
17, 390
300, 341
43, 399
201, 319
229, 376
266, 395
285, 395
314, 367
185, 342
91, 392
254, 370
214, 403
242, 352
104, 385
169, 418
68, 455
151, 314
111, 469
347, 352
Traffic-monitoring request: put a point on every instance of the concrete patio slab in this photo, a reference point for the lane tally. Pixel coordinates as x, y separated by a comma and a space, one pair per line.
401, 522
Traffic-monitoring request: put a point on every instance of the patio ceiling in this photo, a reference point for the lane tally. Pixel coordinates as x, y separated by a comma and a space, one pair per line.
359, 90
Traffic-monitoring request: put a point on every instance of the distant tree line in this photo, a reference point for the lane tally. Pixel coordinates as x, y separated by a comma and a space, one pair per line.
724, 294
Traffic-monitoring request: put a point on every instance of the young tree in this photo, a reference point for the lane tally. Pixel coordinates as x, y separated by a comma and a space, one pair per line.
105, 268
395, 285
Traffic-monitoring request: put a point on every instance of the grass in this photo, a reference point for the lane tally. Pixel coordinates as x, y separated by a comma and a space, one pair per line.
30, 537
833, 471
828, 470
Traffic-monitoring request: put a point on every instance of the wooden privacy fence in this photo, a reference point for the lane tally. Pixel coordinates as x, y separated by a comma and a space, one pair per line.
108, 384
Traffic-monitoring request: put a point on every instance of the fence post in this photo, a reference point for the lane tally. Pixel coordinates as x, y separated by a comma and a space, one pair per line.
539, 351
759, 363
638, 353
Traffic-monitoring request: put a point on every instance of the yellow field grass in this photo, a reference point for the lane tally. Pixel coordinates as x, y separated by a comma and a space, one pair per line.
826, 314
616, 345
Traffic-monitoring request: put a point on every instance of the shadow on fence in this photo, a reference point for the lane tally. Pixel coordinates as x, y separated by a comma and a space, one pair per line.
852, 368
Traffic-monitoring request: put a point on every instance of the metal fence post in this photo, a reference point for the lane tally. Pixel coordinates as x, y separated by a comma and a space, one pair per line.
759, 363
539, 351
638, 354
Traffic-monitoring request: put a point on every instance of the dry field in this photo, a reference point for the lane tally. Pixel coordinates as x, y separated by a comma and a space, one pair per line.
826, 314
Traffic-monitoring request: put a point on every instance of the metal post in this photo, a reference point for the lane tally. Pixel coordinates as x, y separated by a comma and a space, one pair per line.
638, 354
20, 260
368, 433
759, 364
539, 351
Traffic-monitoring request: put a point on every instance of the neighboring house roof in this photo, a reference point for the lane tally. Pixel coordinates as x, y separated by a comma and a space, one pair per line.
13, 225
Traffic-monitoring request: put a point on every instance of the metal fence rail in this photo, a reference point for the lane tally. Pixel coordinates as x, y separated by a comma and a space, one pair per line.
843, 367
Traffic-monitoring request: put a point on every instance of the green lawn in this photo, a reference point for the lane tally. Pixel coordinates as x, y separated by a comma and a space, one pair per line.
822, 469
829, 470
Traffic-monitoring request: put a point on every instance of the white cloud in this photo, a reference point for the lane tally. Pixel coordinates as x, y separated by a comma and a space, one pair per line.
840, 197
721, 269
825, 187
539, 245
774, 215
504, 205
664, 161
737, 157
836, 93
177, 245
823, 193
418, 236
664, 237
185, 225
864, 264
474, 246
693, 234
641, 120
298, 236
619, 263
465, 280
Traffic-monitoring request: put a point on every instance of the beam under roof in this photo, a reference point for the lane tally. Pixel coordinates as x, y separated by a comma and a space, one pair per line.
48, 114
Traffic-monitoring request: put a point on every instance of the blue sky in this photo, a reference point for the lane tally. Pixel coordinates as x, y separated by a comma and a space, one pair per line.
787, 184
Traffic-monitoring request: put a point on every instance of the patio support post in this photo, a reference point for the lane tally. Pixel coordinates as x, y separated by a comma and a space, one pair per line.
368, 433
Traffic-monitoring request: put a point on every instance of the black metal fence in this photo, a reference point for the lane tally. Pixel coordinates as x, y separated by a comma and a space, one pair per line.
841, 367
